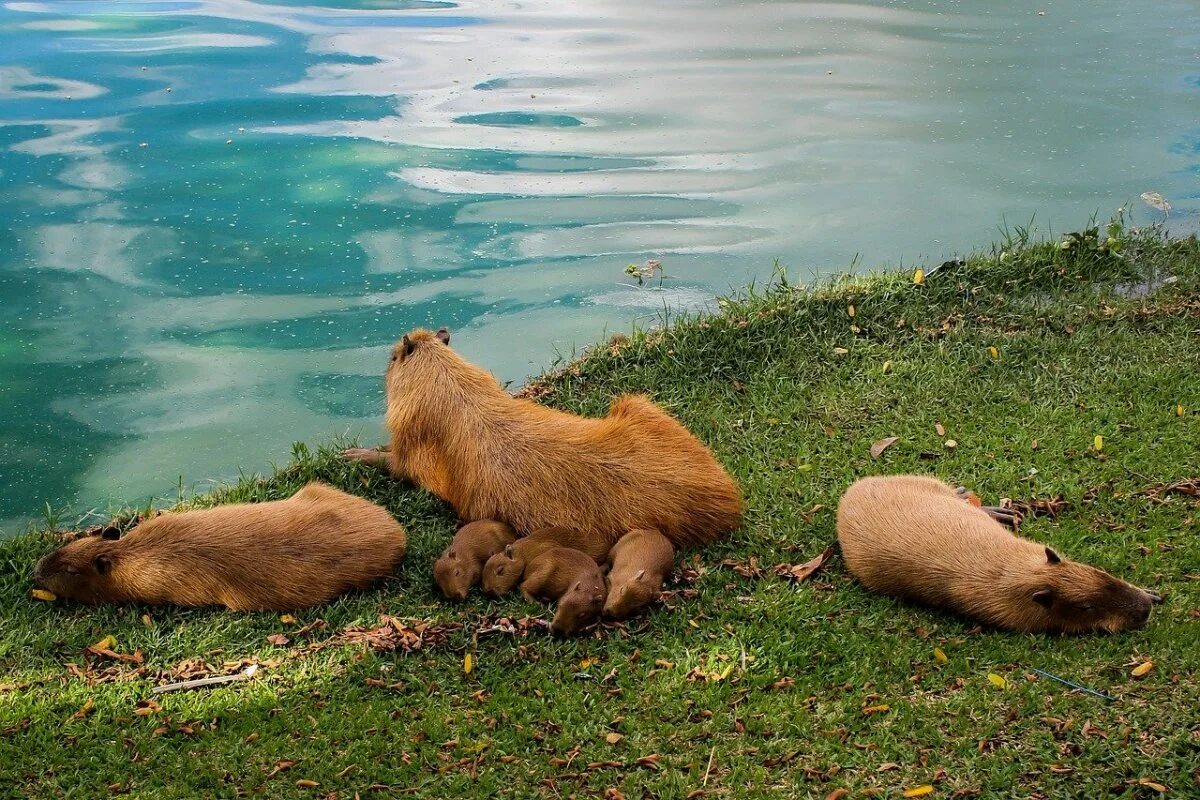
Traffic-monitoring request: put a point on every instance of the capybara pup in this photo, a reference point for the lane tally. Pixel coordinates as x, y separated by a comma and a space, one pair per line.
641, 561
503, 571
461, 563
457, 433
281, 555
914, 537
574, 580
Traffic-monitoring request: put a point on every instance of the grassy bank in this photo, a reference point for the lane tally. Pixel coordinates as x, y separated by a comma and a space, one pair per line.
743, 684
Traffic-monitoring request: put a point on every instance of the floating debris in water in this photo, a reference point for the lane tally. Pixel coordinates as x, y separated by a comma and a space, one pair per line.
1156, 201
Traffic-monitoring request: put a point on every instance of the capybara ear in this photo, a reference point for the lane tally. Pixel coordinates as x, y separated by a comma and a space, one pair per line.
1052, 556
1043, 597
103, 564
111, 533
443, 335
641, 574
408, 345
578, 585
452, 555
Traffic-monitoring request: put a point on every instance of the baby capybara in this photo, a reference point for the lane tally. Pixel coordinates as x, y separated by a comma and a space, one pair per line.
457, 433
280, 555
914, 537
502, 572
641, 561
461, 563
574, 580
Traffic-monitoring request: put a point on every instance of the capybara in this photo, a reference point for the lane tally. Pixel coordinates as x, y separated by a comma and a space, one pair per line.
280, 555
457, 433
461, 563
503, 571
641, 561
574, 580
914, 537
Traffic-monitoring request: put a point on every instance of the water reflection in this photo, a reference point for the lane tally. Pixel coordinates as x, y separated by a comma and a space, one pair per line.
221, 212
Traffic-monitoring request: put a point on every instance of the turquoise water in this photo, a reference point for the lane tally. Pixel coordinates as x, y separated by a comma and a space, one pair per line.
220, 213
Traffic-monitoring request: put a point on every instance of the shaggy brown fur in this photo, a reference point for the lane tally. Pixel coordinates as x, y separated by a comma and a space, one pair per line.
282, 555
641, 561
503, 571
914, 537
461, 564
457, 433
574, 580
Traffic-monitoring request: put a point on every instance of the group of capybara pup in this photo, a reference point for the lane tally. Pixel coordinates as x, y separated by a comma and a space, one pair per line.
550, 500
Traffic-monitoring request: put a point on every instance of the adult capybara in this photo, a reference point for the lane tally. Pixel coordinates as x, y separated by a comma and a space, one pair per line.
915, 537
572, 579
280, 555
461, 563
641, 561
457, 433
502, 572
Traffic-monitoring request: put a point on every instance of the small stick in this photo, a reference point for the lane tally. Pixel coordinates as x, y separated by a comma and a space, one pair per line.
707, 769
1074, 685
202, 682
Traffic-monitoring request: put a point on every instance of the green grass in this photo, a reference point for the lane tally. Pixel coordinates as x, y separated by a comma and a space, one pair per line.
739, 686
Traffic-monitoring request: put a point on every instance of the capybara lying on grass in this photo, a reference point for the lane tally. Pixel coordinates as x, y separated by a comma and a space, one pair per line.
917, 538
281, 555
641, 561
573, 580
504, 570
457, 433
461, 564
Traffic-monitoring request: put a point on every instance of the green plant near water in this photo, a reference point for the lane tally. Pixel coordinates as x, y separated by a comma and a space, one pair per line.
742, 684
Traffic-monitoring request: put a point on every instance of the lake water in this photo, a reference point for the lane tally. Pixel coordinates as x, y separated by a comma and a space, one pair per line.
220, 213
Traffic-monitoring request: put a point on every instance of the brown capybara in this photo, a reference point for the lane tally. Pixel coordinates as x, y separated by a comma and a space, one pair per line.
641, 561
503, 571
280, 555
574, 580
457, 433
914, 537
461, 563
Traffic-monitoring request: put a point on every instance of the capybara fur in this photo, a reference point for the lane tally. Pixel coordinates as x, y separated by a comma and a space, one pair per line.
641, 561
280, 555
503, 571
914, 537
461, 564
574, 580
456, 432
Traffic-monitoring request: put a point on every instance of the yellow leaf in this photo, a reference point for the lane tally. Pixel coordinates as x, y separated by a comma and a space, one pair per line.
919, 277
43, 595
841, 351
850, 310
306, 784
918, 791
993, 352
725, 673
1098, 443
1142, 669
107, 643
287, 619
887, 367
940, 655
468, 664
997, 681
951, 443
879, 709
693, 623
587, 662
613, 738
1179, 410
149, 623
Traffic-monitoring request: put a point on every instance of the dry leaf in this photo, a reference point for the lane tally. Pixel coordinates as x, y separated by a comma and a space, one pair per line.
919, 277
850, 310
1098, 443
918, 791
107, 643
994, 352
1142, 669
939, 429
468, 664
997, 681
879, 709
278, 639
306, 784
85, 709
802, 572
974, 500
951, 444
883, 444
837, 794
649, 761
613, 738
43, 595
841, 351
887, 367
280, 766
287, 619
1155, 785
940, 655
149, 623
1179, 410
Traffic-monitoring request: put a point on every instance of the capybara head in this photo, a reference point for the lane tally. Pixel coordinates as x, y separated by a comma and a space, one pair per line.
580, 607
413, 341
82, 569
455, 576
501, 573
624, 599
1076, 598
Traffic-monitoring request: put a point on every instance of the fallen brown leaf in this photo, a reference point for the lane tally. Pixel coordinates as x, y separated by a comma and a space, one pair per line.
613, 738
883, 444
802, 572
278, 639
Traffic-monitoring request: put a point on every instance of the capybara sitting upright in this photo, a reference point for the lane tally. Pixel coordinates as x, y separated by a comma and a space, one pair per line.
641, 561
504, 570
915, 537
457, 433
281, 555
461, 563
572, 579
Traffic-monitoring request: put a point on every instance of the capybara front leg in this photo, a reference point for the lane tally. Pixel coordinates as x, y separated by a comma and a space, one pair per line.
371, 456
1008, 517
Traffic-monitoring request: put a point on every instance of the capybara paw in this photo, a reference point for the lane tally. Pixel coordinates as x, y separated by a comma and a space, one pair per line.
1007, 517
367, 455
